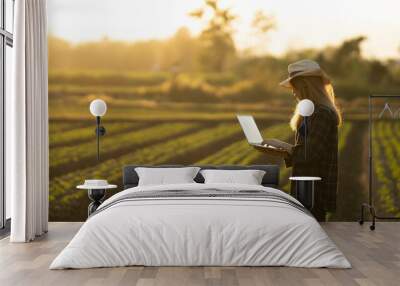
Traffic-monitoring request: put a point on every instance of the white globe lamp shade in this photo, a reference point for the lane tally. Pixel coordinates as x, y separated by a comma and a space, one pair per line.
305, 107
98, 107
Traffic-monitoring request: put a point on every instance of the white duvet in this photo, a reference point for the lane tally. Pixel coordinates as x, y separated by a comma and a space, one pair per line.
200, 231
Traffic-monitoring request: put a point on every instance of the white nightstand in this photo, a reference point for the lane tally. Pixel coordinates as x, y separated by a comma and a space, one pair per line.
304, 190
96, 194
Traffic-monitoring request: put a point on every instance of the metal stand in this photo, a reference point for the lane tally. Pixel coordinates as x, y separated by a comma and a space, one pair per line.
305, 138
370, 205
373, 215
100, 131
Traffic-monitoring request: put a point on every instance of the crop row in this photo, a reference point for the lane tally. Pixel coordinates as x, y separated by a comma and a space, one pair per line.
62, 188
56, 126
78, 135
344, 132
87, 151
386, 155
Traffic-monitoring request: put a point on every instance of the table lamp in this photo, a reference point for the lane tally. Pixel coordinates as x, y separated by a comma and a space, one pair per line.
306, 109
98, 108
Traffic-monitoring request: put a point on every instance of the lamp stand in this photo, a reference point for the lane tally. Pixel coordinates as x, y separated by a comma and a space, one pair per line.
100, 131
305, 138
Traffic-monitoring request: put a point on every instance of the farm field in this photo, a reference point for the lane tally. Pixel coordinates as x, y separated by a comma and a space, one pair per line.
145, 125
173, 99
151, 142
165, 143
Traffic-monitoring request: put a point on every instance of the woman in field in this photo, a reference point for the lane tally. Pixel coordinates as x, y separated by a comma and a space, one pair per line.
308, 81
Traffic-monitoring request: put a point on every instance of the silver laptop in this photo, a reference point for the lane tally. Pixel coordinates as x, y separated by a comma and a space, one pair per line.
251, 131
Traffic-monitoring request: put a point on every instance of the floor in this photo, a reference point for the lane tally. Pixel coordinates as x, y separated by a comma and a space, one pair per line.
375, 256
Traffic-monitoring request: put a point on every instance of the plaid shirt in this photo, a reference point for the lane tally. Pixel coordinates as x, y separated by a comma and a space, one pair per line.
321, 155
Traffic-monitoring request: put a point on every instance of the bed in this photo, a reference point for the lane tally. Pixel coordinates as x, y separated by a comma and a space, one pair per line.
198, 224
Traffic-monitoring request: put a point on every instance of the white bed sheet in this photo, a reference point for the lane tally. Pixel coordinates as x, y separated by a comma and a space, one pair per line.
194, 231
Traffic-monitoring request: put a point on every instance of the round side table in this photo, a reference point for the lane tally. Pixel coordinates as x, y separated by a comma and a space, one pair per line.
96, 194
304, 190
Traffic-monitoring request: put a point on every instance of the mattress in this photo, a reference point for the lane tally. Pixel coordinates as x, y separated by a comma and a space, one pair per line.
201, 225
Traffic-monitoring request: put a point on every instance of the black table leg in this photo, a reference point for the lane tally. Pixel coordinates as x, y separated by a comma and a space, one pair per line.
96, 196
304, 193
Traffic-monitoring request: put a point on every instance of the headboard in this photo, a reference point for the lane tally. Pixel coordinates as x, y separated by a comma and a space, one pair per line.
271, 178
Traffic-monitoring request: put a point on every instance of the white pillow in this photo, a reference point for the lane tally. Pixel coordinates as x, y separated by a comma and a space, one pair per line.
165, 176
248, 177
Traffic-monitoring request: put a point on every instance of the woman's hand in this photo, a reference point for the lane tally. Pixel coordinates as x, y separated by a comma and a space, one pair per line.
277, 152
279, 144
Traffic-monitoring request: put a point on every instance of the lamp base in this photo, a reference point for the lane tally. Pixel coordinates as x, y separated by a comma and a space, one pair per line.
100, 130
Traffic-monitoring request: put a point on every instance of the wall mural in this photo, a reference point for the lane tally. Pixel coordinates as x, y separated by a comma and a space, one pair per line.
172, 98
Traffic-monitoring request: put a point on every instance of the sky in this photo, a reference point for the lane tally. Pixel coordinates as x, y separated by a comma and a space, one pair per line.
299, 24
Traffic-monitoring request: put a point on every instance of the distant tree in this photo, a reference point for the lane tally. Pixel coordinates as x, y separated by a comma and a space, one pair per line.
261, 24
180, 51
217, 45
299, 54
348, 56
350, 49
378, 72
393, 66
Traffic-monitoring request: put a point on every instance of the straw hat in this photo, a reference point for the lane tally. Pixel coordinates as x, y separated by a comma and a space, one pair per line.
304, 68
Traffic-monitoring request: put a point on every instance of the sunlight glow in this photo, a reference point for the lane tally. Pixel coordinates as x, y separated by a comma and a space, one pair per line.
300, 24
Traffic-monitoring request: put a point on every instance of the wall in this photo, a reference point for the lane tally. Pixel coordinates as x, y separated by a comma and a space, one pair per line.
173, 101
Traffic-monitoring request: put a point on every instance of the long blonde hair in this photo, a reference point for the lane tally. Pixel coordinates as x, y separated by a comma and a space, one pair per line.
314, 89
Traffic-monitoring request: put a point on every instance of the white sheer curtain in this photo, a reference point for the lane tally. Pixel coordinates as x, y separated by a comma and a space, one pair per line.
27, 124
